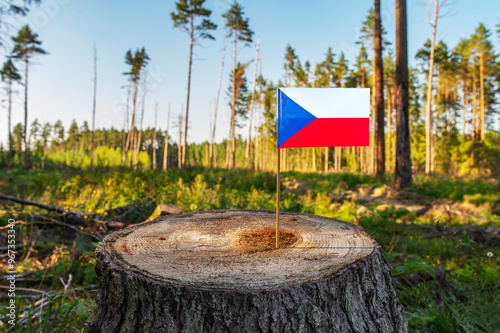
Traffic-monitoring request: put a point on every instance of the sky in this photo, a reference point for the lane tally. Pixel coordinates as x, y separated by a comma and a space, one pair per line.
61, 82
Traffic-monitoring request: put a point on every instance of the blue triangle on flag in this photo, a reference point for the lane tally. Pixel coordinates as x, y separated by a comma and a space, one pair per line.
291, 117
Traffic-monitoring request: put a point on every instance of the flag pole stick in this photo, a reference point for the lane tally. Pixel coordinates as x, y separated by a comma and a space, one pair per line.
278, 204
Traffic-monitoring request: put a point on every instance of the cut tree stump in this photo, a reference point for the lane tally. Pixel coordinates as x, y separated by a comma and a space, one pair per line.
218, 271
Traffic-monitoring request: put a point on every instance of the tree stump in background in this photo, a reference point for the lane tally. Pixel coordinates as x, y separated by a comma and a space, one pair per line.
218, 271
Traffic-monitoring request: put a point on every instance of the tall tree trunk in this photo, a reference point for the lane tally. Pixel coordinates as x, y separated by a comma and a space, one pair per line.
125, 129
186, 118
233, 113
403, 171
179, 145
389, 127
249, 141
258, 153
428, 109
379, 92
165, 149
326, 159
465, 104
165, 152
9, 94
213, 158
129, 146
373, 119
138, 148
93, 111
314, 159
26, 63
154, 136
474, 100
481, 82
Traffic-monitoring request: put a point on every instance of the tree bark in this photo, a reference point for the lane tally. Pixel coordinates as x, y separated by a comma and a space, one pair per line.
213, 157
93, 111
9, 94
139, 137
481, 87
26, 63
379, 92
326, 159
232, 156
191, 43
428, 122
154, 136
191, 272
403, 171
248, 160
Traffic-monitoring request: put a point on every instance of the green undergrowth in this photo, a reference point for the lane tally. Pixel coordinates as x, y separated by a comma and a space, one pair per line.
447, 274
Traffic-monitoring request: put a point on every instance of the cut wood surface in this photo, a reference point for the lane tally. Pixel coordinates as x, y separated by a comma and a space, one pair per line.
218, 271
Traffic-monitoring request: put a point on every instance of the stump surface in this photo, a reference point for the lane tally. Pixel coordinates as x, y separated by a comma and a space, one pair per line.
218, 271
211, 249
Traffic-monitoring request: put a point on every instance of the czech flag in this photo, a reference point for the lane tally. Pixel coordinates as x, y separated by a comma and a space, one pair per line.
323, 117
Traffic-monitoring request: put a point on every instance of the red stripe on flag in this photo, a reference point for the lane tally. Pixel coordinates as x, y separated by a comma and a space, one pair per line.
331, 132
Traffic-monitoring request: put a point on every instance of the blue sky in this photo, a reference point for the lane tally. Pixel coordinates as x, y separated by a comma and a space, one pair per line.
61, 83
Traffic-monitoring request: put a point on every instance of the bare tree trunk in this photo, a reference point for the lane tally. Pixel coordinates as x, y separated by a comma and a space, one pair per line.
249, 141
379, 92
26, 63
373, 144
474, 100
481, 82
403, 171
233, 113
93, 111
138, 143
465, 104
314, 159
165, 149
179, 145
9, 94
258, 145
389, 126
154, 136
340, 159
186, 118
213, 157
165, 152
131, 134
428, 123
326, 160
125, 129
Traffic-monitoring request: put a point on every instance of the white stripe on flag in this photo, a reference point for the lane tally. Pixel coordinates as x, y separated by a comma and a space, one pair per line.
332, 102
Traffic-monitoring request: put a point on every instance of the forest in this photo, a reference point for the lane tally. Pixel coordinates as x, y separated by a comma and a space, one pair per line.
67, 187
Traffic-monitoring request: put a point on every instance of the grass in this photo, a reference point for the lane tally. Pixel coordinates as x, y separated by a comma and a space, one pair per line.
447, 283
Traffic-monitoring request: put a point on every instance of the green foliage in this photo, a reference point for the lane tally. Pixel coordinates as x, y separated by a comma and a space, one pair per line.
447, 283
58, 315
455, 188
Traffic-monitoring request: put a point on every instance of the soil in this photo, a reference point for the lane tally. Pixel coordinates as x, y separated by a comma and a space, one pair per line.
265, 240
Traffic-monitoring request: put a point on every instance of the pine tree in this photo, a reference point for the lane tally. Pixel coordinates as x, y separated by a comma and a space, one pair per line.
187, 13
26, 46
238, 27
403, 170
379, 91
137, 63
9, 75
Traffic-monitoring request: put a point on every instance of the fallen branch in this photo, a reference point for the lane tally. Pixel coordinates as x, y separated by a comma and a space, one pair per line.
27, 289
52, 221
36, 204
68, 216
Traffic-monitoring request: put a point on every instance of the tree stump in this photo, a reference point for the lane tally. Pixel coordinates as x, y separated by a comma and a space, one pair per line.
218, 271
